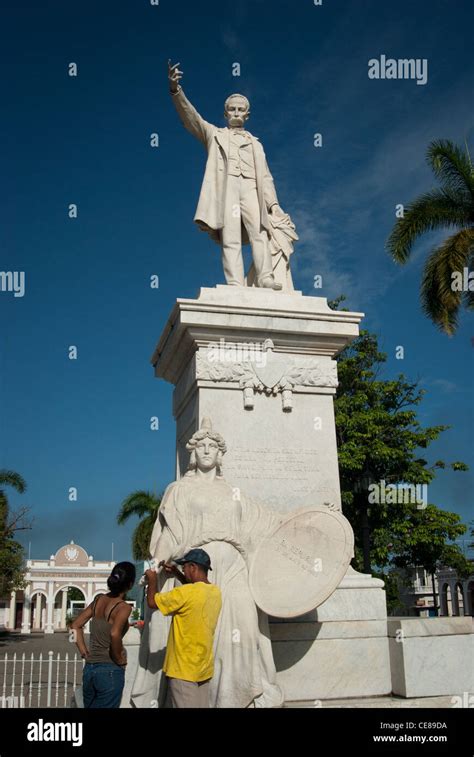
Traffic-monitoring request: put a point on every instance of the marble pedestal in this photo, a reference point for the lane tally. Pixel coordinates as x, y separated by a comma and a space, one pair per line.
261, 364
432, 657
340, 650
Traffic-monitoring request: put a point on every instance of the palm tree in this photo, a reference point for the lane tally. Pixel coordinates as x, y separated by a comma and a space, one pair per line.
450, 207
8, 478
145, 505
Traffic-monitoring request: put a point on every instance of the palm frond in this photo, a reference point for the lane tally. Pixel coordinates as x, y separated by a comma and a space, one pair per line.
468, 299
139, 503
451, 165
141, 538
432, 210
438, 298
11, 478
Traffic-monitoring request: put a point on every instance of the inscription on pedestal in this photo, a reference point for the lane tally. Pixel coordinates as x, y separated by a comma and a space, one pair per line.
271, 463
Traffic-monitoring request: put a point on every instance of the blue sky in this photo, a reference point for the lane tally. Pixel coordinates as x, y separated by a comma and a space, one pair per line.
85, 140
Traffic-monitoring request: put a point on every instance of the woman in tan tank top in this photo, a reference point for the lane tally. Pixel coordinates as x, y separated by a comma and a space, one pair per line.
103, 676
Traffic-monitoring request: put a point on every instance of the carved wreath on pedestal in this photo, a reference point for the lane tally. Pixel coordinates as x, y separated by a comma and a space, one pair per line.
271, 378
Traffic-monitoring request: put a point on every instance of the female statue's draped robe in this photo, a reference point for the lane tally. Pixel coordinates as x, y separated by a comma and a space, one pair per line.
196, 512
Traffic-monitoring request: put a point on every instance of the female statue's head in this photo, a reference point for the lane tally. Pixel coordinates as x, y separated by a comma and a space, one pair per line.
207, 449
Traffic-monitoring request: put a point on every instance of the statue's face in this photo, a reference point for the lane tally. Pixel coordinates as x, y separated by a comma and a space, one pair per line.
206, 452
237, 112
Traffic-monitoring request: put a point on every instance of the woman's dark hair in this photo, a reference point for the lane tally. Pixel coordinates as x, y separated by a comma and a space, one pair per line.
121, 577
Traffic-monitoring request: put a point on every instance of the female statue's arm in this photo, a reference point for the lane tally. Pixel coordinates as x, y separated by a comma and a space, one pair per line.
167, 532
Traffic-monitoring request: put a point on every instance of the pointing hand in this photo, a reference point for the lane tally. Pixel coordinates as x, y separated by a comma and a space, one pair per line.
174, 76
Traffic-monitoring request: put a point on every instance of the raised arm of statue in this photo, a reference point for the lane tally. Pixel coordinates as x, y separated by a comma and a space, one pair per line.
188, 114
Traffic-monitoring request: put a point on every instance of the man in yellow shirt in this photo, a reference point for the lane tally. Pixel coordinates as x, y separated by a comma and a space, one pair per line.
195, 608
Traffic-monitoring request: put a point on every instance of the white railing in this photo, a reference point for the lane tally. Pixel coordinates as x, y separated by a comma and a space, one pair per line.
39, 681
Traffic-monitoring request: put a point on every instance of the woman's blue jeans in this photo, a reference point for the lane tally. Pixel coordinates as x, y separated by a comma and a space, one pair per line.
102, 684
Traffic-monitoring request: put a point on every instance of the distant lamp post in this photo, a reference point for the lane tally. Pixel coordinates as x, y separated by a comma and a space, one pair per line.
361, 489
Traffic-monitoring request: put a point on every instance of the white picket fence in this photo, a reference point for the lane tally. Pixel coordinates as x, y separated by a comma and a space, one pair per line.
44, 681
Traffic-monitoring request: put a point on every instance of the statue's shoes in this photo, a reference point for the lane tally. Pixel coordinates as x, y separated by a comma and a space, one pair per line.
270, 283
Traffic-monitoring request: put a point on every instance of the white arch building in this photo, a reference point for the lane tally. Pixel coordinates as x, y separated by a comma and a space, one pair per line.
45, 597
456, 595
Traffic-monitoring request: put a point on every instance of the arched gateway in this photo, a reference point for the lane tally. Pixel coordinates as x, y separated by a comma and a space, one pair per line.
45, 604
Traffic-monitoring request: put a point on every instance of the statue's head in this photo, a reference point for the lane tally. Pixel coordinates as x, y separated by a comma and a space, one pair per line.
207, 449
236, 111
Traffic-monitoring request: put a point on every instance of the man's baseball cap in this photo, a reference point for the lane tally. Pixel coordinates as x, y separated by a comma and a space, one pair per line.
197, 556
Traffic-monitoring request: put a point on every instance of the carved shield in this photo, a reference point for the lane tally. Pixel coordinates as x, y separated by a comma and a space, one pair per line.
301, 562
273, 370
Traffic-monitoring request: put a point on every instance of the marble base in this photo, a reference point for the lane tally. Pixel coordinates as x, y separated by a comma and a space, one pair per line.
432, 656
339, 650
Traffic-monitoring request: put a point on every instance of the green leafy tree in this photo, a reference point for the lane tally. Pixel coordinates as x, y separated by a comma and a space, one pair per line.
451, 206
11, 552
392, 583
471, 531
380, 439
422, 538
12, 573
145, 505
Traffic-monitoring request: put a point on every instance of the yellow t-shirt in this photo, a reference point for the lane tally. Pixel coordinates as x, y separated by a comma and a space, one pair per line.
195, 609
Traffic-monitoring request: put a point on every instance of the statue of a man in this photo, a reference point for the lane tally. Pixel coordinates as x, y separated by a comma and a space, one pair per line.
238, 201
